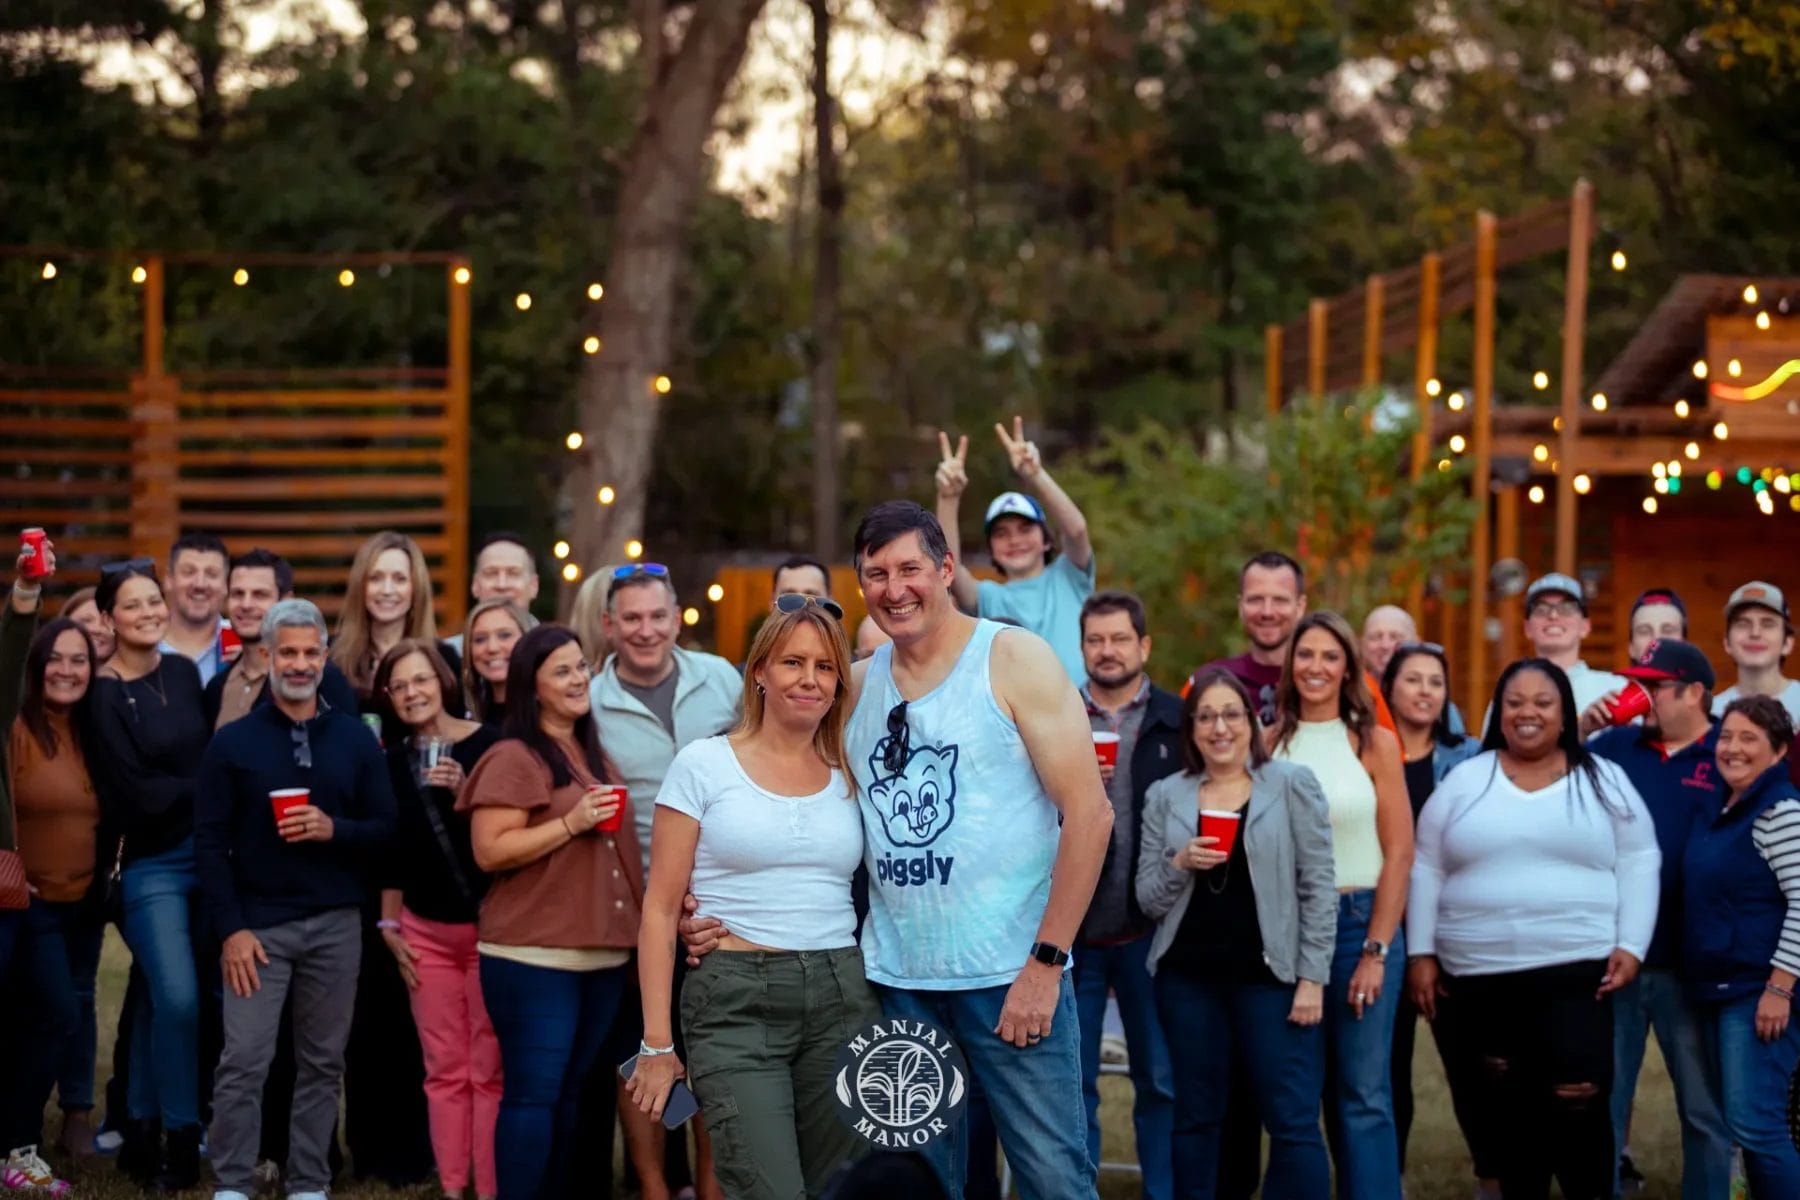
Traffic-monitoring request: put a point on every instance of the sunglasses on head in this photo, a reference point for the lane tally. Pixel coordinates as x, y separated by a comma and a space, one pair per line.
635, 571
145, 565
1426, 647
898, 746
793, 602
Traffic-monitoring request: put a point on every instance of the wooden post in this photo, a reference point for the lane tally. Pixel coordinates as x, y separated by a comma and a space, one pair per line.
1482, 439
1374, 294
1511, 608
1315, 349
1581, 221
456, 453
155, 443
1272, 367
1424, 370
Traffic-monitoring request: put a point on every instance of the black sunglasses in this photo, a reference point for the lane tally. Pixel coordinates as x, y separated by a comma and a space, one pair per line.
633, 571
145, 566
302, 747
793, 602
1426, 647
898, 746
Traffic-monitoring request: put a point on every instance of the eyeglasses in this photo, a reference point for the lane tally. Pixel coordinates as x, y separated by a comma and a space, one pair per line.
1233, 718
1555, 608
302, 747
145, 565
416, 683
632, 571
1419, 648
793, 602
898, 746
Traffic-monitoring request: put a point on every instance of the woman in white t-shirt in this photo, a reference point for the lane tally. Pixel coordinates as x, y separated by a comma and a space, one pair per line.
764, 821
1535, 882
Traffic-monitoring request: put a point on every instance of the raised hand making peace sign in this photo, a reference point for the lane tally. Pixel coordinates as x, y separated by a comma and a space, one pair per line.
1026, 461
952, 473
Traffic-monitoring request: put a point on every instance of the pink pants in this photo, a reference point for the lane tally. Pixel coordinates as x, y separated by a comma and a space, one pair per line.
462, 1056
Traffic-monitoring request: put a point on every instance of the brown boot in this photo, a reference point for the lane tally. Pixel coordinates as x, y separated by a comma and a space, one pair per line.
77, 1139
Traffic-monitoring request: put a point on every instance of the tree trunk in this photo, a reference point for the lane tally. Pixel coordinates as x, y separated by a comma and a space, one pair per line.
665, 169
827, 255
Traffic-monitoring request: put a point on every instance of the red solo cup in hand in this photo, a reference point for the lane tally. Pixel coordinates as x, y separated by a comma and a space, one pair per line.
229, 639
1106, 748
1633, 702
33, 564
1221, 825
603, 794
287, 799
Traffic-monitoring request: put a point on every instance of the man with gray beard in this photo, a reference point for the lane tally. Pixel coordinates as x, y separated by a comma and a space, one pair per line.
290, 803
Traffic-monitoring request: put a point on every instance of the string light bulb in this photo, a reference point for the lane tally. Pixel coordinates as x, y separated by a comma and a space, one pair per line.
49, 271
1658, 470
561, 549
1762, 321
1443, 464
573, 441
690, 616
1433, 387
1661, 486
1556, 424
1599, 402
571, 572
1682, 409
522, 301
1692, 450
716, 592
1783, 485
606, 495
1674, 468
1715, 480
346, 278
1721, 431
595, 291
634, 549
1536, 494
460, 275
1700, 368
1734, 368
1749, 293
1618, 260
1650, 505
1456, 402
662, 385
1540, 380
139, 274
1582, 485
1458, 443
591, 344
240, 277
1540, 452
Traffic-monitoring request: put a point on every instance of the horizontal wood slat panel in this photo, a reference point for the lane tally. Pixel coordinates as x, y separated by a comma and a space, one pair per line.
59, 489
277, 428
42, 427
312, 518
59, 396
316, 487
366, 456
330, 545
54, 518
55, 455
352, 398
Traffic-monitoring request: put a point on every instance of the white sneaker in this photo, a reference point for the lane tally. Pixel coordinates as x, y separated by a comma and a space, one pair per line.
1113, 1051
26, 1172
307, 1196
227, 1195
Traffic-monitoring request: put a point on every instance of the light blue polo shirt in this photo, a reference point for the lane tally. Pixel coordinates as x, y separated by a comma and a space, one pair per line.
1048, 604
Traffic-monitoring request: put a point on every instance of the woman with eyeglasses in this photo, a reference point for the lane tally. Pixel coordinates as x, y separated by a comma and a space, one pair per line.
429, 910
147, 733
1235, 868
764, 821
49, 815
1741, 937
1416, 683
493, 628
1534, 895
560, 917
1325, 720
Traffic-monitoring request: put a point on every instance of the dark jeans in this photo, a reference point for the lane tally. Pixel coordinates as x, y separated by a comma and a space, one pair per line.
1540, 1033
551, 1025
55, 953
1284, 1067
1456, 1050
386, 1127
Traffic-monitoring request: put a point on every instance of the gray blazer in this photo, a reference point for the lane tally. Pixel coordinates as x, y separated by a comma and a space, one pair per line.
1287, 841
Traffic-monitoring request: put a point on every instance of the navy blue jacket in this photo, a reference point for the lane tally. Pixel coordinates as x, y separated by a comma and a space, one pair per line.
251, 878
334, 689
1735, 908
1676, 789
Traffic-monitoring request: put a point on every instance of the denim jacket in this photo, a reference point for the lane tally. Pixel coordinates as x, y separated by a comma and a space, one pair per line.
1445, 759
1287, 841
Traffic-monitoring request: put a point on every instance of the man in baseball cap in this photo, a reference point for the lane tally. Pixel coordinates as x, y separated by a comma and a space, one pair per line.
1043, 590
1669, 760
1556, 621
1759, 634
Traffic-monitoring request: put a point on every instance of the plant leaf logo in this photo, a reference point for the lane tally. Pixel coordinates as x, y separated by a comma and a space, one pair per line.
900, 1083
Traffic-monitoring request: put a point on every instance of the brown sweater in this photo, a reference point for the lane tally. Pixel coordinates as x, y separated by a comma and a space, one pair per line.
57, 811
584, 895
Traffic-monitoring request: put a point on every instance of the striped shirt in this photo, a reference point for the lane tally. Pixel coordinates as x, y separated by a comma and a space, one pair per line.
1776, 835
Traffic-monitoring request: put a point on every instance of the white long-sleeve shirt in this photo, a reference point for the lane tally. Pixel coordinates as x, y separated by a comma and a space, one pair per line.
1507, 880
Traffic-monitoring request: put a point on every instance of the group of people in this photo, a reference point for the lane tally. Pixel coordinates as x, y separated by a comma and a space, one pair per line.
498, 892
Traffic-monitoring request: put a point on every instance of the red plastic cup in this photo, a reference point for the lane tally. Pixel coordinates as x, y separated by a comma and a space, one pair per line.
1632, 703
1221, 825
286, 800
31, 544
1106, 748
228, 639
612, 823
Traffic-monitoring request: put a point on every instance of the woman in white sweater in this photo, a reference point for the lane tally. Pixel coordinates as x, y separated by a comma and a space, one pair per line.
1534, 891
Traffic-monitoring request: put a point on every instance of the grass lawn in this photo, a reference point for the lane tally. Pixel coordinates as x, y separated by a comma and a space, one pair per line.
1437, 1169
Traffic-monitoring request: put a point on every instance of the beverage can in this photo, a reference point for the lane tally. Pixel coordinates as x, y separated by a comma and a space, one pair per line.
31, 547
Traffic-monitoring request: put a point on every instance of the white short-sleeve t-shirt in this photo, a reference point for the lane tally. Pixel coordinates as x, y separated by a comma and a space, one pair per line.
774, 870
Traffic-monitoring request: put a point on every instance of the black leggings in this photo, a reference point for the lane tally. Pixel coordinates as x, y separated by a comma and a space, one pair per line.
1545, 1056
1461, 1059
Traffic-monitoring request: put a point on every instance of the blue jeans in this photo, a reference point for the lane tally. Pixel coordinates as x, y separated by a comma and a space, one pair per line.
550, 1025
1655, 1000
1283, 1063
45, 1019
1359, 1082
1035, 1092
1753, 1079
1124, 969
160, 893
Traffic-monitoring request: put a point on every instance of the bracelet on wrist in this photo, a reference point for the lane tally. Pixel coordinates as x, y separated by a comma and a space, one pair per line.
564, 822
27, 591
1785, 993
387, 923
646, 1050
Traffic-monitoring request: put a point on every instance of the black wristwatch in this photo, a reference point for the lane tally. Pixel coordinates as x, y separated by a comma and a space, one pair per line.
1049, 955
1378, 949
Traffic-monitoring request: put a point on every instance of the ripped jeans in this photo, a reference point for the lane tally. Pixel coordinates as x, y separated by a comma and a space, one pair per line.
1544, 1054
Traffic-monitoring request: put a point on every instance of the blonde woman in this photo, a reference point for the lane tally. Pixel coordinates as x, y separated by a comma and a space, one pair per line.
764, 821
586, 618
388, 598
493, 628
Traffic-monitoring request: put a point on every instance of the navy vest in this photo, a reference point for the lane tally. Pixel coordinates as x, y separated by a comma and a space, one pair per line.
1734, 907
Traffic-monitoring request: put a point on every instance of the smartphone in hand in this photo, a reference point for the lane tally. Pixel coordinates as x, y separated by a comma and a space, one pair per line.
681, 1106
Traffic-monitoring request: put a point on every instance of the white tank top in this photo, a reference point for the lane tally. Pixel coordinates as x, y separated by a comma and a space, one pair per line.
1324, 746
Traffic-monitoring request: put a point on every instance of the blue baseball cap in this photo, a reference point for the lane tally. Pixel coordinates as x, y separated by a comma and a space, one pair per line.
1013, 504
